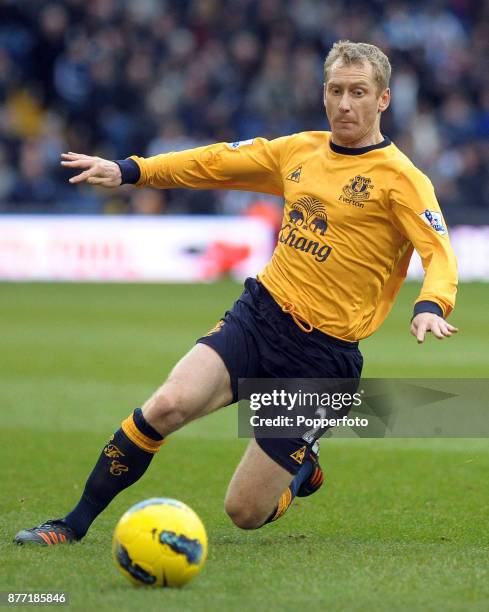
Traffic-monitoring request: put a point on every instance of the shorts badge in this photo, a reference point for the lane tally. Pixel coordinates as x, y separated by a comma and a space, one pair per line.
216, 327
298, 455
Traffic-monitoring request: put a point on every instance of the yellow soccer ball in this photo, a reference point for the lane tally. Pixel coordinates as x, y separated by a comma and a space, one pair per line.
159, 542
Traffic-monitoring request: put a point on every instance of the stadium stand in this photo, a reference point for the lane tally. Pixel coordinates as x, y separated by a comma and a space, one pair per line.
120, 77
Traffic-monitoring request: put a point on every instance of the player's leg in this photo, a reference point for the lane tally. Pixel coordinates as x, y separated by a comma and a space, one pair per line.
255, 488
262, 488
198, 384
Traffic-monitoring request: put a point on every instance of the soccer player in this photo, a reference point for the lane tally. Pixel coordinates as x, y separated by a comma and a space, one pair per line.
354, 209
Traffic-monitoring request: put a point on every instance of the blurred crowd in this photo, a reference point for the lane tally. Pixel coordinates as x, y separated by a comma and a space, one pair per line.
118, 77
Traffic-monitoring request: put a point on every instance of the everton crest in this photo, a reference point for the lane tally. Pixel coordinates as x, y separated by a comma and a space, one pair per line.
358, 188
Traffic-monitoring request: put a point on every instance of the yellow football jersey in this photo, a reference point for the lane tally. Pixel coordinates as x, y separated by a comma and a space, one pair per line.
351, 220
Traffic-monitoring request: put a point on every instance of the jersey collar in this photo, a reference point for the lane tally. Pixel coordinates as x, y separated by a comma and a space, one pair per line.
358, 151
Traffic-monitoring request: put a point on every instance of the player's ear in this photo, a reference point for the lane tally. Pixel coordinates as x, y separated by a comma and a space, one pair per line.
384, 100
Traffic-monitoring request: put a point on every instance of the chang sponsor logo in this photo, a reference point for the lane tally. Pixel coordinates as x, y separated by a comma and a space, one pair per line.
306, 215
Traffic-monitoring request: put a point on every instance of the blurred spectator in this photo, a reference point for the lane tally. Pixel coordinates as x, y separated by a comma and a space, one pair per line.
116, 78
7, 176
147, 202
33, 183
172, 137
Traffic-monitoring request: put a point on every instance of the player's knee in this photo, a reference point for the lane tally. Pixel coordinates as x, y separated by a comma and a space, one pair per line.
244, 516
165, 411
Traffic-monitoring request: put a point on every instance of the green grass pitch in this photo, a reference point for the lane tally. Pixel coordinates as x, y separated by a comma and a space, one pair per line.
400, 524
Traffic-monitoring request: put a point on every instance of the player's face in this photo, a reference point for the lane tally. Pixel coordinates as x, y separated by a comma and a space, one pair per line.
354, 104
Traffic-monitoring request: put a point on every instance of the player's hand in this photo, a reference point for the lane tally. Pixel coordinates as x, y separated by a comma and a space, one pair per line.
428, 322
96, 171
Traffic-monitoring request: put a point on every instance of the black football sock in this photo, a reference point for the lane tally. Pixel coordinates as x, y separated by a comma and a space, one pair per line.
291, 491
122, 462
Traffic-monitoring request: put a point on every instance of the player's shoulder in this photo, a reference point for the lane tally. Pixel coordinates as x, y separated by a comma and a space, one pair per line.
312, 138
405, 168
302, 141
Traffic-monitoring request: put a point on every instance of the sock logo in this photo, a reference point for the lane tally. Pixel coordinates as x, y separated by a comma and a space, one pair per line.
112, 451
116, 468
298, 455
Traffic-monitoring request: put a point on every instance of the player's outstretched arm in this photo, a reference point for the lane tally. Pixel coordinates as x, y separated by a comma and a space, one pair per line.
428, 322
95, 170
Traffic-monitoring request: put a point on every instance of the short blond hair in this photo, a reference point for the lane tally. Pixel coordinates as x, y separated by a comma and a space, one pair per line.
358, 53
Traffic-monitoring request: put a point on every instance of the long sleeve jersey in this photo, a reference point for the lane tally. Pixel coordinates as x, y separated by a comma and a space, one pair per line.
352, 218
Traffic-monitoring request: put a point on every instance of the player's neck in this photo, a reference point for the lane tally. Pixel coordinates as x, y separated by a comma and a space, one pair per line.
372, 138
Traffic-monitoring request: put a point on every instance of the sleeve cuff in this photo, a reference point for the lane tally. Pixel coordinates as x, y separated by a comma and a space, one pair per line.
130, 171
427, 306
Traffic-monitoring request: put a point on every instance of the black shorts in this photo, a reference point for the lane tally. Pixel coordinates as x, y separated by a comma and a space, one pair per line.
256, 339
